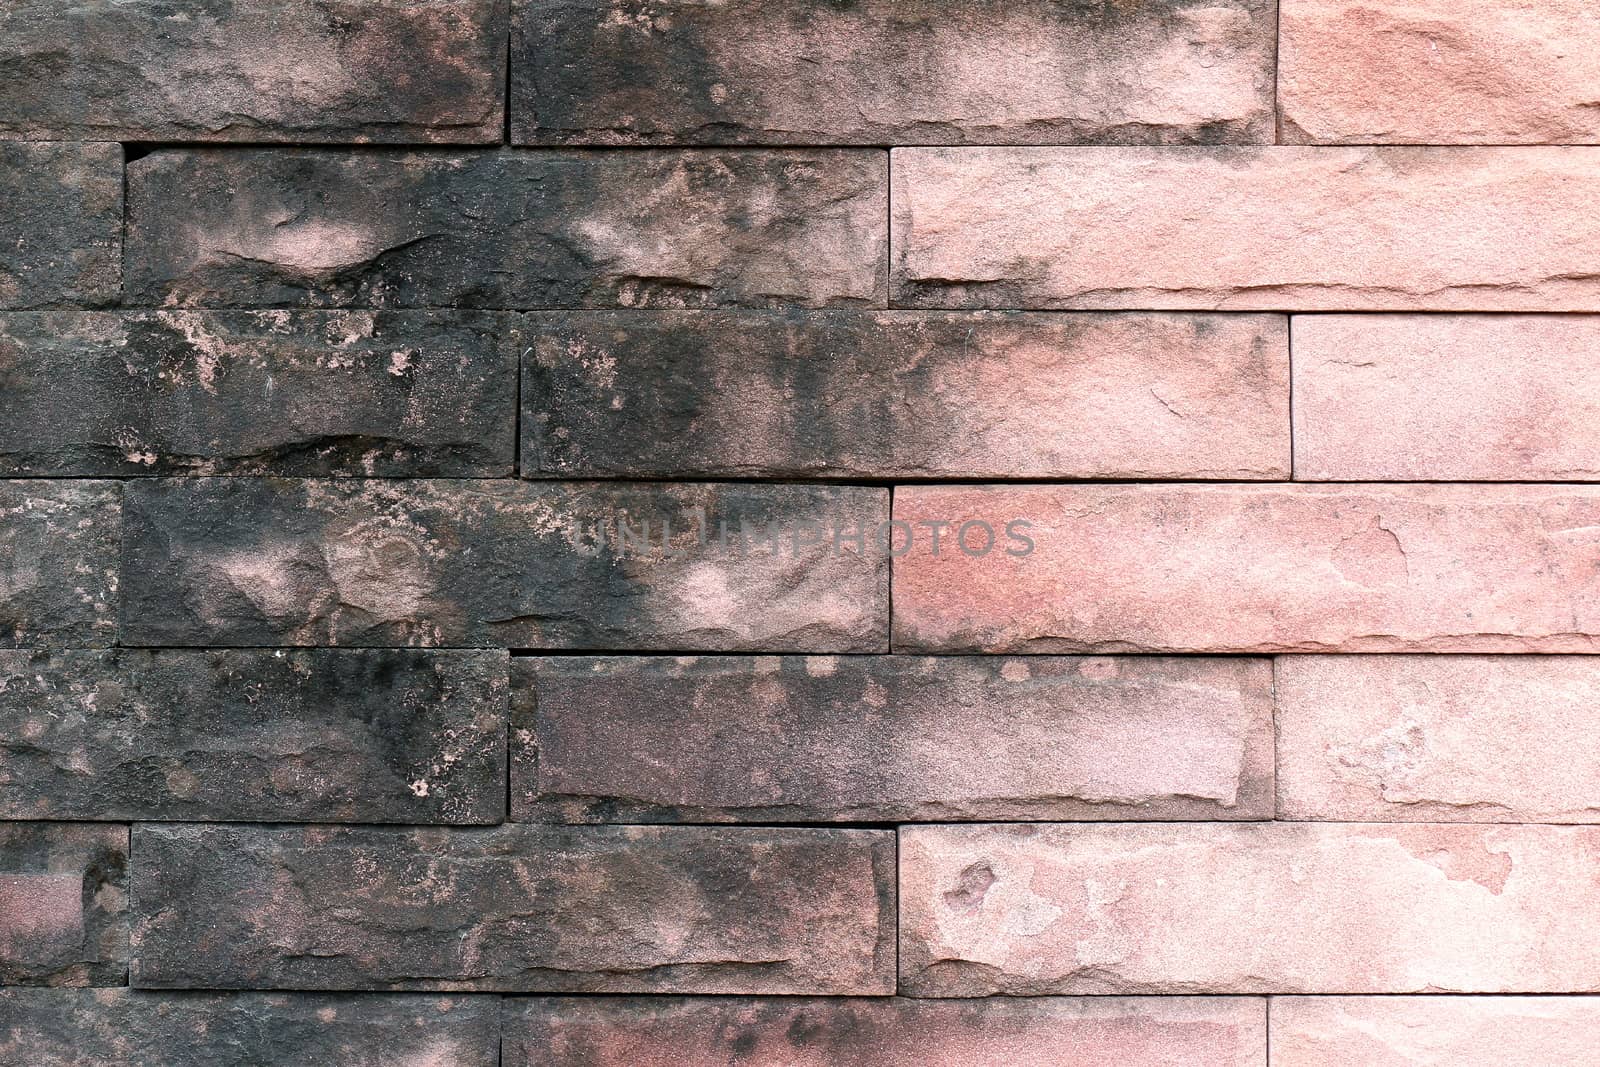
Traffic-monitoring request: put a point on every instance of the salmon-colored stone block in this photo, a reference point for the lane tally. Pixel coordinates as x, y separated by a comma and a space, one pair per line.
1447, 398
1238, 568
1439, 738
1248, 908
1436, 1031
1271, 228
885, 1032
1439, 72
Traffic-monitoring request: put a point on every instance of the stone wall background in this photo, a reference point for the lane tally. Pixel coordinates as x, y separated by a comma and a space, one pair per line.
616, 533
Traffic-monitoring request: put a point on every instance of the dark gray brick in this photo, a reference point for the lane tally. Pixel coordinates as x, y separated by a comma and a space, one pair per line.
893, 72
300, 393
135, 1028
254, 70
521, 908
245, 561
904, 394
61, 214
389, 736
63, 904
58, 563
890, 738
511, 229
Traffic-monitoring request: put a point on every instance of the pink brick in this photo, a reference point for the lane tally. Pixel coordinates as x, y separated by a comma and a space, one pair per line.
1237, 568
1443, 398
1248, 908
1439, 72
885, 1032
1440, 738
1435, 1032
1441, 229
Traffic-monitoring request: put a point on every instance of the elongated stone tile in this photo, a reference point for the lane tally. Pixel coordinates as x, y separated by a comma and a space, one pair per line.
1439, 72
1438, 738
1240, 568
1271, 228
905, 394
273, 392
892, 72
516, 908
1248, 908
396, 736
58, 567
62, 219
253, 70
63, 905
1435, 1031
512, 229
891, 738
1447, 397
137, 1028
236, 561
810, 1032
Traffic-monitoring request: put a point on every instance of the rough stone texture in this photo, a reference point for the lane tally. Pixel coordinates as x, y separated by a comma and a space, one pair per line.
893, 738
58, 563
804, 1032
308, 227
905, 394
131, 1028
1447, 398
61, 215
517, 908
1435, 1031
1248, 908
1239, 568
1439, 72
892, 72
63, 905
234, 561
1438, 738
1425, 229
253, 70
383, 736
305, 393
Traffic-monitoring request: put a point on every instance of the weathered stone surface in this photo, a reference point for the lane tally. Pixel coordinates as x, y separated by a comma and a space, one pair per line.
803, 1032
536, 909
62, 219
253, 70
325, 736
1424, 229
63, 905
233, 561
892, 72
58, 563
905, 394
1435, 1031
1447, 398
1438, 738
1240, 568
305, 393
320, 228
1439, 72
1248, 908
135, 1028
888, 739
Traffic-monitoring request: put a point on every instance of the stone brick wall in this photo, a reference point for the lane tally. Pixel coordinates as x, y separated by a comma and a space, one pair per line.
784, 533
